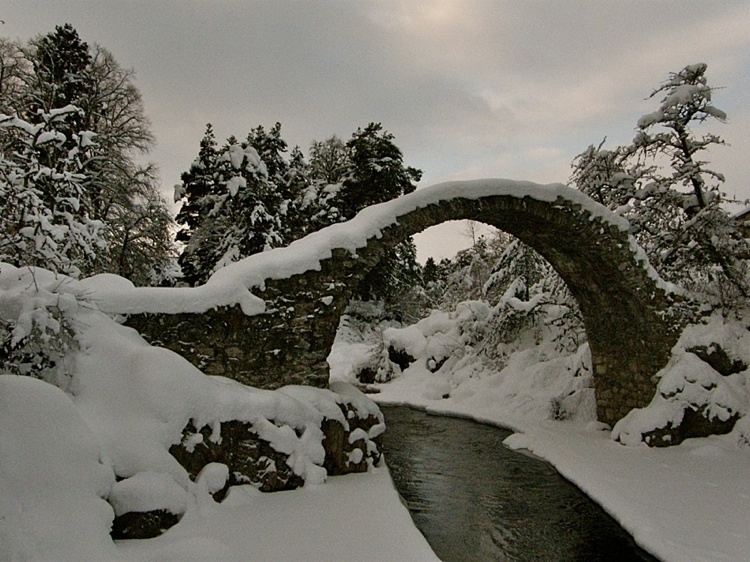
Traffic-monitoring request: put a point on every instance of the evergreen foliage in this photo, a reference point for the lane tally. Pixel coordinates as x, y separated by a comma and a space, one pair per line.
272, 199
198, 188
235, 207
669, 195
72, 113
376, 171
42, 223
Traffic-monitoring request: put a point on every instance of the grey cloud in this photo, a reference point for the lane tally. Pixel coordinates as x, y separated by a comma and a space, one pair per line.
478, 87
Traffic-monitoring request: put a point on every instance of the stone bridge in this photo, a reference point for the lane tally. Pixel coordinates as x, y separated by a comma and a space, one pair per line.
628, 311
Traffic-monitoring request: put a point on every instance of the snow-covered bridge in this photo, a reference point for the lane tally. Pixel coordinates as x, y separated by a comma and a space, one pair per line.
270, 319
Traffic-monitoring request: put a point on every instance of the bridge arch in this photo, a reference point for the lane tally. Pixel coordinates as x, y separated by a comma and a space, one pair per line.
627, 309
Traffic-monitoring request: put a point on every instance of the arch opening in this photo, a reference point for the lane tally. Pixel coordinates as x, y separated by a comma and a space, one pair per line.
623, 306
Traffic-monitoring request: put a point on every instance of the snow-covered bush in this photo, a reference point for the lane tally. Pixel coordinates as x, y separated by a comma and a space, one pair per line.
362, 332
44, 220
704, 389
37, 337
528, 300
443, 338
537, 379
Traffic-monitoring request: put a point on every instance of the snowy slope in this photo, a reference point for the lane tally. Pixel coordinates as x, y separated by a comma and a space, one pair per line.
688, 503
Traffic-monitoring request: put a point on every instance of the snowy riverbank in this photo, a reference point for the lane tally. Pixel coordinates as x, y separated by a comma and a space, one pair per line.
357, 517
92, 441
689, 503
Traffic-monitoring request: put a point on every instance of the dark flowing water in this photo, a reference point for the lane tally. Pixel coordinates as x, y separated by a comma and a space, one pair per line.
474, 499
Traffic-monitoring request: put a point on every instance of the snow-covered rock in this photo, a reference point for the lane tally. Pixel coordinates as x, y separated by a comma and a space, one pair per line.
703, 390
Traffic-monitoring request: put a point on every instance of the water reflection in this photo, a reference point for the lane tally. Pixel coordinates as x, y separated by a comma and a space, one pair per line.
475, 500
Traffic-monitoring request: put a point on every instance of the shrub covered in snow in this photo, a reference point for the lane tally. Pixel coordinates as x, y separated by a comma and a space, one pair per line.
704, 389
538, 379
36, 331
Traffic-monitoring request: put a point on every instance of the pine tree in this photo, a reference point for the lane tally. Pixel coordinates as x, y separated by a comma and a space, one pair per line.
288, 176
198, 188
376, 171
42, 223
325, 171
297, 220
56, 74
686, 101
271, 149
674, 209
61, 65
238, 215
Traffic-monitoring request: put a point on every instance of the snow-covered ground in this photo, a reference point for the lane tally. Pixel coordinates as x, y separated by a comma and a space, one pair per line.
357, 517
687, 503
119, 405
52, 480
116, 405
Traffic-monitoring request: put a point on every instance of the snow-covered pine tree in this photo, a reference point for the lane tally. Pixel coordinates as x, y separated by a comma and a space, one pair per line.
271, 149
240, 215
59, 70
327, 166
686, 101
296, 186
43, 222
397, 281
670, 196
61, 75
699, 247
376, 171
289, 176
198, 189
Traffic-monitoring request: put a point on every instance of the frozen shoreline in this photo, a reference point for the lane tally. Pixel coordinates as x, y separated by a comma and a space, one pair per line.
689, 503
353, 517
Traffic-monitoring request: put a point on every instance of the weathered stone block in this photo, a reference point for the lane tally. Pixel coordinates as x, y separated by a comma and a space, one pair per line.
695, 423
250, 459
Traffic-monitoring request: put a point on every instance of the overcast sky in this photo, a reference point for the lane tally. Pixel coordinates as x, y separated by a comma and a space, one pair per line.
469, 88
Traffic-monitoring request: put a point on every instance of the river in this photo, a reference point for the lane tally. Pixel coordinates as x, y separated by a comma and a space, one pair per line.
476, 500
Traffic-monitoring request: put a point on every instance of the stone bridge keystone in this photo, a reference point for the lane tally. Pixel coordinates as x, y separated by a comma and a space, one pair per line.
628, 312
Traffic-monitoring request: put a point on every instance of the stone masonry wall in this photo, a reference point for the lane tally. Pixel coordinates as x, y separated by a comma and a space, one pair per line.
630, 321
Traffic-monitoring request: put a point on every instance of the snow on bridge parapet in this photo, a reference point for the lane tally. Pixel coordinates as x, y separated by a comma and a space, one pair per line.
235, 283
304, 288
